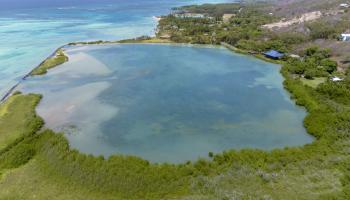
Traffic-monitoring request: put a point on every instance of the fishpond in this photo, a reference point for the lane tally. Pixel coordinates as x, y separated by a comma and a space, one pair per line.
167, 103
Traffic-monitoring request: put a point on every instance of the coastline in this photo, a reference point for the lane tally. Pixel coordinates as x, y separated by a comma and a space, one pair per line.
13, 88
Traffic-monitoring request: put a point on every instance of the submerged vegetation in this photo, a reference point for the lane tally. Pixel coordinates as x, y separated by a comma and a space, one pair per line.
58, 58
39, 164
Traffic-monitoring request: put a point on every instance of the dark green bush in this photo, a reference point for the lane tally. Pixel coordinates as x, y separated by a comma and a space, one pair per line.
329, 65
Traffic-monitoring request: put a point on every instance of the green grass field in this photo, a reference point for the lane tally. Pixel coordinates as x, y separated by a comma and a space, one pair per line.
313, 82
17, 118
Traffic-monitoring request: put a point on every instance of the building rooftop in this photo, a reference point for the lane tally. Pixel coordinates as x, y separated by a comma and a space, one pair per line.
336, 79
274, 54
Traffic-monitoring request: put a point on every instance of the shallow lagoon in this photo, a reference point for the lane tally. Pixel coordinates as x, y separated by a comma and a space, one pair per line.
167, 102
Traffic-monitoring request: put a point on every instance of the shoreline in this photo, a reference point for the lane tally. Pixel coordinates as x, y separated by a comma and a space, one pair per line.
13, 88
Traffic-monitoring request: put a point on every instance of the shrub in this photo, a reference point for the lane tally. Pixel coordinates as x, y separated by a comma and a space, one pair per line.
329, 65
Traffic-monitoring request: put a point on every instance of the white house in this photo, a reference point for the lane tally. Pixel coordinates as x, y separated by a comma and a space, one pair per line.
294, 56
336, 79
345, 36
344, 5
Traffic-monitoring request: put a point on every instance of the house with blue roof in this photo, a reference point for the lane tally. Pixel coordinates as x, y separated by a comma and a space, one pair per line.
273, 54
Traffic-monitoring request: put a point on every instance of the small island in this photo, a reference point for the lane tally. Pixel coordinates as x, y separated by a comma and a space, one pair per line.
315, 71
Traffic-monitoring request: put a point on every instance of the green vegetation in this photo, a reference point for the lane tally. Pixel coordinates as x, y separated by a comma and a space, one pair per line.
313, 82
244, 30
212, 9
17, 118
316, 63
217, 10
58, 59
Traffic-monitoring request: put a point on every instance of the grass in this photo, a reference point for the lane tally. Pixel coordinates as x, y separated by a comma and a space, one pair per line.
58, 59
313, 82
33, 181
17, 118
29, 182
